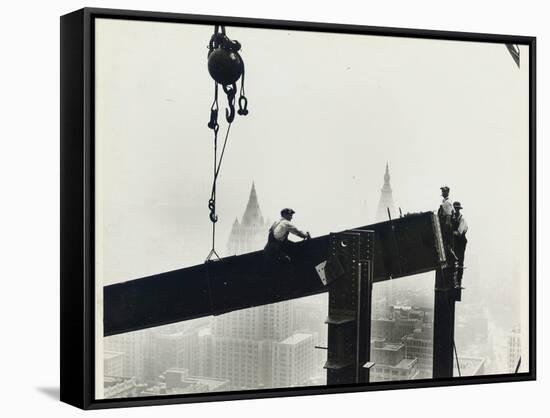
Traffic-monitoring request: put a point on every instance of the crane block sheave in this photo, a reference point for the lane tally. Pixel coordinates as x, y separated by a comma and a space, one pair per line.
402, 247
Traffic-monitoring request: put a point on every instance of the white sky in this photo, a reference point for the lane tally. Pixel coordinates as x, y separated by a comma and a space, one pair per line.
326, 113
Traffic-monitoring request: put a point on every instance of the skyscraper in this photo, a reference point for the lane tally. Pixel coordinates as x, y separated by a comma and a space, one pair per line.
113, 363
384, 204
133, 346
251, 233
386, 199
292, 360
513, 348
241, 342
173, 349
419, 346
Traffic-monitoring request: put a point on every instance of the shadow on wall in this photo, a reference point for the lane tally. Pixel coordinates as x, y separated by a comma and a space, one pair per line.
51, 392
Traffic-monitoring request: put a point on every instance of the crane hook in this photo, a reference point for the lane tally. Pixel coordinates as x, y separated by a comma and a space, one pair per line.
230, 90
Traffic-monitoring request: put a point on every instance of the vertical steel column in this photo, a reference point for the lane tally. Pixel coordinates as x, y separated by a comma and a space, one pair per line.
366, 271
444, 324
444, 305
349, 279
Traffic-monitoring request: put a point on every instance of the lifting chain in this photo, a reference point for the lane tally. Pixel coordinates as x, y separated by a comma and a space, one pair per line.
226, 66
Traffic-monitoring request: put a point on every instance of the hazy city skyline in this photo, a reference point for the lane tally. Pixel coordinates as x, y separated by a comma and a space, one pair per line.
231, 351
440, 112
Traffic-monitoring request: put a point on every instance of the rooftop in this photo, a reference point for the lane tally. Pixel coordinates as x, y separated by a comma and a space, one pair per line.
405, 364
211, 382
295, 338
469, 366
109, 381
390, 347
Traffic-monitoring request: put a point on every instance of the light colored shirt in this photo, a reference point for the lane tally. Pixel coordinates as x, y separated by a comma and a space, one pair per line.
447, 207
283, 227
462, 225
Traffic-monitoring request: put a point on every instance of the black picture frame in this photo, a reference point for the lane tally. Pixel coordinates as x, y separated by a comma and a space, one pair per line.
77, 205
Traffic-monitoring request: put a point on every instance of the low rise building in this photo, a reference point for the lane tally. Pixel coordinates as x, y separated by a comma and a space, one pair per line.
390, 363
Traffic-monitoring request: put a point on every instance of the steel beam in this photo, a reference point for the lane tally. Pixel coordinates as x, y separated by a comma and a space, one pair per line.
403, 247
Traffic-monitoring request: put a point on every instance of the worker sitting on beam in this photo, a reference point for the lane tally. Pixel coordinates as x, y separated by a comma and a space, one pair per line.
278, 243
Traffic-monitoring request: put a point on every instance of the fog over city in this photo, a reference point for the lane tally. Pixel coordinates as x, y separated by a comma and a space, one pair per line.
327, 113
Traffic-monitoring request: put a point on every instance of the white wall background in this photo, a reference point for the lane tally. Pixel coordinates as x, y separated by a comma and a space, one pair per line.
29, 173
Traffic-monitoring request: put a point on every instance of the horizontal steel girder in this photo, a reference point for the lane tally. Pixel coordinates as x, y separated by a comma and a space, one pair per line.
403, 247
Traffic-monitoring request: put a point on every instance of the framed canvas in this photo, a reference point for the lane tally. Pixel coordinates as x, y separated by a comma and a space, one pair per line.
356, 214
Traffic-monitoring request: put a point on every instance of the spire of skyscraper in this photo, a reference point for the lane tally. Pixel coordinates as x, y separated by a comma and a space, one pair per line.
251, 233
252, 214
235, 227
386, 199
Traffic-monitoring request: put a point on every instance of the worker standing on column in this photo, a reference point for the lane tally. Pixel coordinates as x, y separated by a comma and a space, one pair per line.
277, 241
445, 213
446, 208
460, 227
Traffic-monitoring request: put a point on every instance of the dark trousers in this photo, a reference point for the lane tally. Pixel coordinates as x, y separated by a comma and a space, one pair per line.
277, 263
447, 235
460, 250
277, 250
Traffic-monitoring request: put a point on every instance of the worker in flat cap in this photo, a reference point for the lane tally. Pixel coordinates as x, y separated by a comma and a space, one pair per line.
446, 208
277, 241
460, 227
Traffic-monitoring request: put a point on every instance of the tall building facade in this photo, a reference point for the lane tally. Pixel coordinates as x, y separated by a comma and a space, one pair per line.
133, 347
172, 348
419, 346
292, 361
513, 348
310, 314
113, 364
390, 344
242, 343
245, 345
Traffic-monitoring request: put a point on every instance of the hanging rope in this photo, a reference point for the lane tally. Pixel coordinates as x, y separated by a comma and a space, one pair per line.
456, 358
226, 66
518, 365
212, 201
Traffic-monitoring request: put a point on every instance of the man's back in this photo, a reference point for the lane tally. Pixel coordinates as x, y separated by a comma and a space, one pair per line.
283, 227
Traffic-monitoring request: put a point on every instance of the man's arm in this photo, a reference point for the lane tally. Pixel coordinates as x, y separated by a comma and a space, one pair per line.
448, 208
462, 226
296, 231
